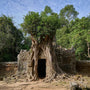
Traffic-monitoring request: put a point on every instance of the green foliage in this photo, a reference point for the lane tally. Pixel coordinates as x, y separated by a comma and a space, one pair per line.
26, 44
10, 39
63, 22
47, 10
68, 12
77, 34
31, 22
62, 37
41, 25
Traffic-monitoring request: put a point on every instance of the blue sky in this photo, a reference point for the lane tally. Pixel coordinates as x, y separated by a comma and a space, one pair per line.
18, 8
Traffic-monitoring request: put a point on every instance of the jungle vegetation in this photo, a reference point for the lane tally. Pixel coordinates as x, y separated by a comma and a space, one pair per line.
70, 31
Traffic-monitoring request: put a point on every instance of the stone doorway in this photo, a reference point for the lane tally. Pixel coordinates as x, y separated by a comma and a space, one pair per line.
41, 68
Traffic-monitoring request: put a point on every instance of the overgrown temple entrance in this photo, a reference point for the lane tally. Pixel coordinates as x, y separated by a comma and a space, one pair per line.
41, 68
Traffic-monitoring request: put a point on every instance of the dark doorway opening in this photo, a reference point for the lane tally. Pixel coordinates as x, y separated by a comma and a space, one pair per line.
42, 68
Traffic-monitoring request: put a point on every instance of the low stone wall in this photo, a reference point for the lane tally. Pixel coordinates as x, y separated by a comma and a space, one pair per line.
66, 59
83, 67
7, 68
10, 68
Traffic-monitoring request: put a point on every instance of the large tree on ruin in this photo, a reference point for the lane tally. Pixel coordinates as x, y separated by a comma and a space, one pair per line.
42, 28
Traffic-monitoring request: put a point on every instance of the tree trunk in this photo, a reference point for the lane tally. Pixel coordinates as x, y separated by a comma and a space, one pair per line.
44, 50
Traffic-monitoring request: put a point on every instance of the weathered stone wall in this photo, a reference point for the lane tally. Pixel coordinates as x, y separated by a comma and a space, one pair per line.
66, 59
7, 68
10, 68
83, 67
23, 61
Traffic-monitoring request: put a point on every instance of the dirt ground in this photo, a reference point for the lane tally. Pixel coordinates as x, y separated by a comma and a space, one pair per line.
38, 85
34, 85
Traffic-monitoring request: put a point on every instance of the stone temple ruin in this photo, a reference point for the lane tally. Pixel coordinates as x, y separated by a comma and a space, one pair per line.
23, 69
65, 59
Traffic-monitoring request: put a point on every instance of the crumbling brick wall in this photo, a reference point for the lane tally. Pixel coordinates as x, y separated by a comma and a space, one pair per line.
83, 67
66, 59
7, 68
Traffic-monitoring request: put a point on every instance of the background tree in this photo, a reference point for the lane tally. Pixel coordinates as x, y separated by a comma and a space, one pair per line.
76, 35
68, 12
10, 39
26, 43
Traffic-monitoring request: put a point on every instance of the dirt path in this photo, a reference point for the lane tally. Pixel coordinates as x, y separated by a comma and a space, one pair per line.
37, 85
40, 85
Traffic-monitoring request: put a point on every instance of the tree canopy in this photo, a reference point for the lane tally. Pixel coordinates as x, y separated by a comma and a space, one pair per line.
10, 39
77, 34
41, 25
68, 12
